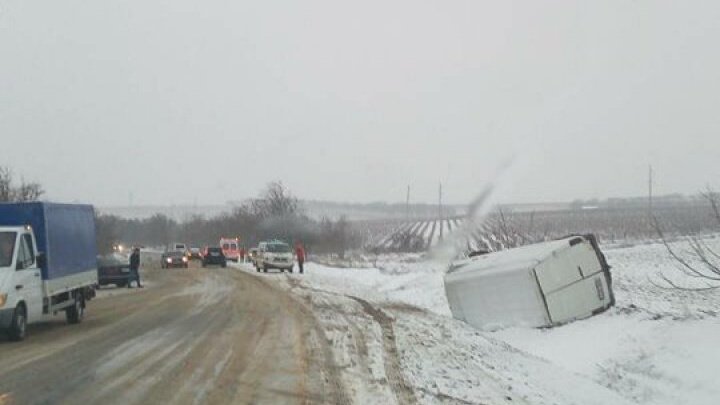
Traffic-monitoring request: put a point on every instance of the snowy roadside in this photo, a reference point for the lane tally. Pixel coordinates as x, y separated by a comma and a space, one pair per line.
655, 347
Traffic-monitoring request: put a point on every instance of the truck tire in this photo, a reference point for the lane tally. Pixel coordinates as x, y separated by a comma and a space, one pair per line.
16, 332
264, 269
75, 313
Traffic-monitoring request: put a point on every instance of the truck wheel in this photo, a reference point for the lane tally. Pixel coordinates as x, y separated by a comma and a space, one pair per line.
264, 269
75, 313
18, 324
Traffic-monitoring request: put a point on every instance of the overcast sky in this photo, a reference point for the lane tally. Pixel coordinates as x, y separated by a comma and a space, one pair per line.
177, 101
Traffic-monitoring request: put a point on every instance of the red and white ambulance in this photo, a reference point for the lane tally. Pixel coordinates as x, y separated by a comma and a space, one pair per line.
230, 248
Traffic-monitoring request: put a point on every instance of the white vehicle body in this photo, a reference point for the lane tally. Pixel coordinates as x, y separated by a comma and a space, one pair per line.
22, 284
177, 247
275, 255
539, 285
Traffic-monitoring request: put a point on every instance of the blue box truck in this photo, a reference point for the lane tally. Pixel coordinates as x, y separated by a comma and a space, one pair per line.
48, 263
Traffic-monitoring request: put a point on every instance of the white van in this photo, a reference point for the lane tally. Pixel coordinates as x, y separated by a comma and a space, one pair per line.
177, 247
539, 285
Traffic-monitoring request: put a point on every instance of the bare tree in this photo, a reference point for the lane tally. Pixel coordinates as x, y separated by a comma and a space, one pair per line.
6, 189
28, 192
713, 198
700, 261
106, 232
276, 201
11, 193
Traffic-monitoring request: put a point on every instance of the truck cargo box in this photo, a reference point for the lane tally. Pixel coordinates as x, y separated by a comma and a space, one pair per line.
65, 233
539, 285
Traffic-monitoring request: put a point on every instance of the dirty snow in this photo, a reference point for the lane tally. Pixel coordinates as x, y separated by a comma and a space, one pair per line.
657, 346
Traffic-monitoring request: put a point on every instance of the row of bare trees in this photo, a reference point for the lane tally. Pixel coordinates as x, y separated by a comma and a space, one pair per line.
12, 192
275, 214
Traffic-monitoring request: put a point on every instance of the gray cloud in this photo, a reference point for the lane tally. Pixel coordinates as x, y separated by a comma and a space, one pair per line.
180, 101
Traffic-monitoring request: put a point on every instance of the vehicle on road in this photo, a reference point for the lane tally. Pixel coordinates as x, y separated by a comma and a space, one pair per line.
275, 255
176, 258
213, 255
231, 249
113, 270
194, 253
48, 263
177, 246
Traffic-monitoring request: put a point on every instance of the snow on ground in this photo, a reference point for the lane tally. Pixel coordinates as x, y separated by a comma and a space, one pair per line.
656, 346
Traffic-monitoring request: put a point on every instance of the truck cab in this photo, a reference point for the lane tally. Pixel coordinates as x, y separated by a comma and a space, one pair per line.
21, 295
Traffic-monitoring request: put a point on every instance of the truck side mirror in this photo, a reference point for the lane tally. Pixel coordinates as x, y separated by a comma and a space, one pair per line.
41, 260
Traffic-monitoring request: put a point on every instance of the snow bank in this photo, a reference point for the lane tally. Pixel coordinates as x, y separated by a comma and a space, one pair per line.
657, 346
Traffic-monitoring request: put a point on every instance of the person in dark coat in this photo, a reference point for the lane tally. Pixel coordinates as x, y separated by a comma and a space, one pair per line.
135, 268
300, 255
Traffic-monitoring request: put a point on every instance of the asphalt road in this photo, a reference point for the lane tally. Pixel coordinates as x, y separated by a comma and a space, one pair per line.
217, 336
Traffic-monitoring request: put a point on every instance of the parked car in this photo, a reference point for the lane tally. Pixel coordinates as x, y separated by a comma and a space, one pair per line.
112, 270
175, 258
275, 255
213, 256
194, 254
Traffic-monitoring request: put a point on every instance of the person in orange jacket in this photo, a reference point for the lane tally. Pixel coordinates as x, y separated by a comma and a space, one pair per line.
300, 256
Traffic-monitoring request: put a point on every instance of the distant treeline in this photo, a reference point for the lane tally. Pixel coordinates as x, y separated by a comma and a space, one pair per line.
667, 200
503, 228
276, 214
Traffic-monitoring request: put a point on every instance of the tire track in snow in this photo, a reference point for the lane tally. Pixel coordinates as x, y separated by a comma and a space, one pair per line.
393, 369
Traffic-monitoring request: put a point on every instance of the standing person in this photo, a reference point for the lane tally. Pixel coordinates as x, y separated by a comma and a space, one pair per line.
135, 268
300, 254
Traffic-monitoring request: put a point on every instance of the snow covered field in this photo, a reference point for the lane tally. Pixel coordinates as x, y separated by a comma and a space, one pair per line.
391, 326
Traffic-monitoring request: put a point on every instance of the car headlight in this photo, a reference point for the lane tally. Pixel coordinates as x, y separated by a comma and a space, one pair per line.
185, 259
169, 260
3, 299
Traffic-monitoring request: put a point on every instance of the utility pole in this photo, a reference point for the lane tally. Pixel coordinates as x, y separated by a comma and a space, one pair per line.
407, 205
440, 210
650, 192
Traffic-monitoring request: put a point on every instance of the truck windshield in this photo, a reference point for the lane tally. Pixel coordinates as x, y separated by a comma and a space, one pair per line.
7, 246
